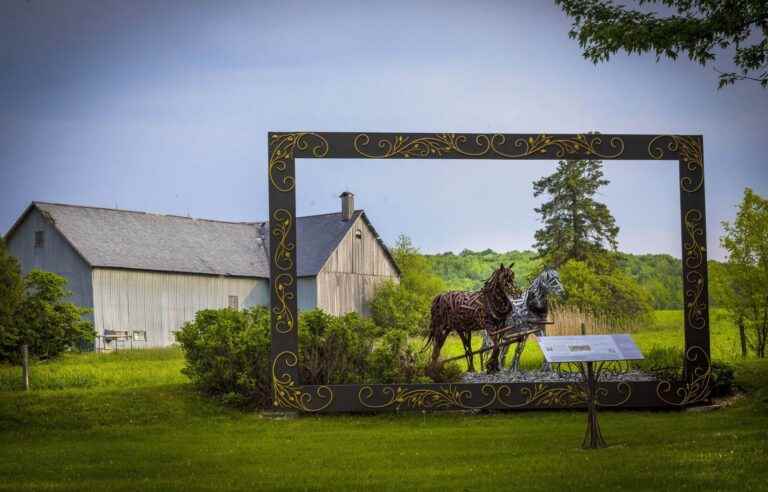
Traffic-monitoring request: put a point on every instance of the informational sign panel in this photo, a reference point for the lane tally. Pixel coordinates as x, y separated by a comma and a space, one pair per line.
589, 348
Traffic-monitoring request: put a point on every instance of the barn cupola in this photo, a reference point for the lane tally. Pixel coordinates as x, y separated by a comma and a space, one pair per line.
347, 205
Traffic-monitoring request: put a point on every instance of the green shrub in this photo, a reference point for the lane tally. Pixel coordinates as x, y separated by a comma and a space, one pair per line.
334, 350
227, 354
722, 379
393, 360
667, 363
43, 320
399, 308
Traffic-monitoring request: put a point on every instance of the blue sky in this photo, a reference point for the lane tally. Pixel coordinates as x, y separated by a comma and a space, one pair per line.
165, 107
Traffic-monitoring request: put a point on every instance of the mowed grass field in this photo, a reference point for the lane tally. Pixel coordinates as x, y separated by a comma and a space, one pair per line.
130, 421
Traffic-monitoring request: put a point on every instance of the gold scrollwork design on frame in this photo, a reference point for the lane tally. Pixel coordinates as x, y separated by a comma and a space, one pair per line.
696, 308
694, 249
542, 395
622, 388
280, 226
439, 145
589, 144
284, 321
445, 143
696, 389
425, 398
283, 147
287, 394
690, 151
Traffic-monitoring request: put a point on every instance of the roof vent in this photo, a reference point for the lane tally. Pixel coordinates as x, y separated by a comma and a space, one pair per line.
347, 205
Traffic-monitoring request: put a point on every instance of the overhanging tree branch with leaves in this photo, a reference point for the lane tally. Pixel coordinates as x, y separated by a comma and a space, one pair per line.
696, 28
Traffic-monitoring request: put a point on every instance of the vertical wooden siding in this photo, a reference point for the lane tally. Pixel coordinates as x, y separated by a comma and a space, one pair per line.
159, 303
352, 273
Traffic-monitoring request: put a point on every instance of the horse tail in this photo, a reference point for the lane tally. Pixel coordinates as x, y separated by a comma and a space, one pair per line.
435, 322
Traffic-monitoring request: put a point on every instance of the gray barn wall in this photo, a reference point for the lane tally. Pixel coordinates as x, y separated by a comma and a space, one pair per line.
307, 292
159, 303
56, 256
352, 273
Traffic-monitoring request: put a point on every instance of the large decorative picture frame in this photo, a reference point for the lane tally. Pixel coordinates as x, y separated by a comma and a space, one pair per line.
694, 384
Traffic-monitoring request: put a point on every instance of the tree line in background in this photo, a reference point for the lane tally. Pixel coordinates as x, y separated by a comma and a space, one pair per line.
658, 274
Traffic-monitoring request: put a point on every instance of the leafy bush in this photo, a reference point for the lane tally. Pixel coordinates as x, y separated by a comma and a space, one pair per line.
614, 293
396, 307
405, 306
11, 295
228, 354
722, 379
667, 363
334, 349
44, 321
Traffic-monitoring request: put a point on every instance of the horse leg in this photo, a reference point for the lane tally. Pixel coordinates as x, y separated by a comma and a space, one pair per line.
437, 344
493, 363
503, 355
518, 353
466, 339
486, 344
545, 366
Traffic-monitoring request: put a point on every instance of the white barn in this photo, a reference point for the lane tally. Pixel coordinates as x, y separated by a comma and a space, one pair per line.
148, 273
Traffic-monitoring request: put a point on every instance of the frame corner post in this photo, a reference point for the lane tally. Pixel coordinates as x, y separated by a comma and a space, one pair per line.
282, 263
697, 364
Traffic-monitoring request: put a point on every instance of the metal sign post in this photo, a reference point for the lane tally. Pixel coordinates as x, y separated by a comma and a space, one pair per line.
590, 354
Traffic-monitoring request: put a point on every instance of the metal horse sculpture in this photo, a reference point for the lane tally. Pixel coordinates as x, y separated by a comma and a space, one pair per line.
465, 312
529, 312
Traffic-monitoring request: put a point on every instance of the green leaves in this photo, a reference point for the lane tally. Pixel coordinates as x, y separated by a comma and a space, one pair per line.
11, 295
746, 240
613, 293
42, 318
696, 28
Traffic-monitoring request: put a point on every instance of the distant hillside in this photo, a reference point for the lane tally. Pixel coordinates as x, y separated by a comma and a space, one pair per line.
659, 274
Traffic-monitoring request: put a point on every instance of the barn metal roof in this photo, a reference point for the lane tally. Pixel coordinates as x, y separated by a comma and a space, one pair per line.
116, 238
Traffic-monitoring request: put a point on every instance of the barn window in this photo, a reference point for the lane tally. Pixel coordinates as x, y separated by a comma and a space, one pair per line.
358, 253
139, 336
39, 239
233, 303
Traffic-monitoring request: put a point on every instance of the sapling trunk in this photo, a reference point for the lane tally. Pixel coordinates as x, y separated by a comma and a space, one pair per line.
25, 365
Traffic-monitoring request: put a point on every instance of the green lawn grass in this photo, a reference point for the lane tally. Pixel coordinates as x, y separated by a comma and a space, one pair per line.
130, 421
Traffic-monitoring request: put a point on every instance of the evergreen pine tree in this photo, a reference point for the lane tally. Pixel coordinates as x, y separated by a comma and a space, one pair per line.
576, 227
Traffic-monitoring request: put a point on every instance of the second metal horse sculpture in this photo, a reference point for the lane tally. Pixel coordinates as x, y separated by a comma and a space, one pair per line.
529, 312
465, 312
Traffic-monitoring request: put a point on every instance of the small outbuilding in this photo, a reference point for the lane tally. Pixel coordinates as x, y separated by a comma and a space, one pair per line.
147, 274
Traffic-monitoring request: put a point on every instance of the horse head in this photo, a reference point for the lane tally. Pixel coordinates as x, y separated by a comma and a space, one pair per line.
503, 279
546, 283
550, 282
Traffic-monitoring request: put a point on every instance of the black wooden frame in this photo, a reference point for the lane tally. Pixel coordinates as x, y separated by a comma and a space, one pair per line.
290, 394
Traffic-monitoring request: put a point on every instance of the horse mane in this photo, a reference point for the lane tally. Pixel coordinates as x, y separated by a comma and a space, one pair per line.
494, 296
491, 283
534, 291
